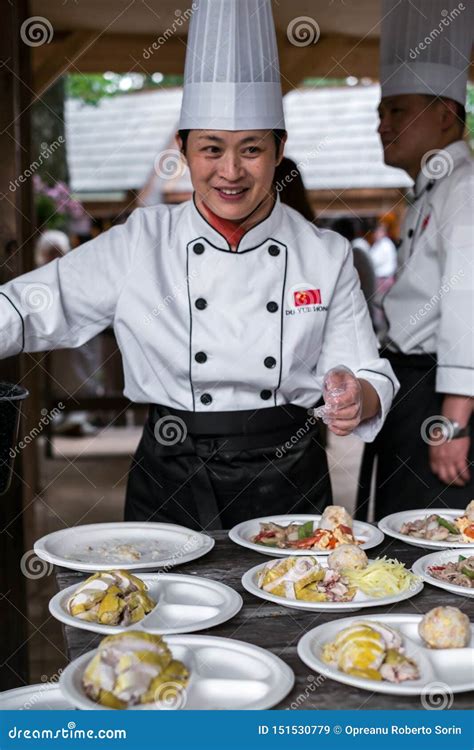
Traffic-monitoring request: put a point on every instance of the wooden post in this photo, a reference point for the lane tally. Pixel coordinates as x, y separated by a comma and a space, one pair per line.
16, 227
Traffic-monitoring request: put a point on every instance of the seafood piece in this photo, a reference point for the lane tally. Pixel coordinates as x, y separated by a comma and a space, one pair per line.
460, 573
445, 627
348, 556
129, 669
397, 667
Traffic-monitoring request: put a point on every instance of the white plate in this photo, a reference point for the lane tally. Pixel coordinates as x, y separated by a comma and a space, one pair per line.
162, 545
225, 674
392, 524
449, 669
243, 532
360, 601
41, 697
184, 604
421, 566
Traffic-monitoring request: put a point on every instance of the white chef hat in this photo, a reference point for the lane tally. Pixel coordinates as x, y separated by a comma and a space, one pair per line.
232, 74
425, 47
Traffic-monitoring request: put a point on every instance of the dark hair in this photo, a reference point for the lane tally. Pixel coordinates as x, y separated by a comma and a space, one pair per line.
289, 184
278, 136
459, 109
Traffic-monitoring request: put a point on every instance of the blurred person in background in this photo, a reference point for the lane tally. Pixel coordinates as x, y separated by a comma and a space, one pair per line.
362, 261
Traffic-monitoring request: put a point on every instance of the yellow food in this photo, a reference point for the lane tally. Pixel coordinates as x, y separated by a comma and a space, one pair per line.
383, 577
445, 627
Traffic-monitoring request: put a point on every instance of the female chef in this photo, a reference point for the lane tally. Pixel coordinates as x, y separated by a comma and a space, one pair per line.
228, 309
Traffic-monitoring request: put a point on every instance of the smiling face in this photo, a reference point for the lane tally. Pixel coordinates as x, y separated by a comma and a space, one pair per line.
412, 124
232, 171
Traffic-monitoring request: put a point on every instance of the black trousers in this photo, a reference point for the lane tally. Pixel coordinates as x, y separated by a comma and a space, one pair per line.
404, 479
208, 471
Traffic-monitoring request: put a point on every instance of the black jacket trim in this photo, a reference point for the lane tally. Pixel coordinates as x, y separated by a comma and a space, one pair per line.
366, 369
21, 318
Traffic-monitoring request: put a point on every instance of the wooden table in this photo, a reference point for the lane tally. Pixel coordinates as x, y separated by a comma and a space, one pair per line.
279, 628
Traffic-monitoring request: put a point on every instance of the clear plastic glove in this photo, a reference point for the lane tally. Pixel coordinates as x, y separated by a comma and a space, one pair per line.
342, 395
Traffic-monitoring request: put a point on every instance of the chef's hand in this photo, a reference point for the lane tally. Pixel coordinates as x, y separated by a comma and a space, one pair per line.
449, 459
342, 393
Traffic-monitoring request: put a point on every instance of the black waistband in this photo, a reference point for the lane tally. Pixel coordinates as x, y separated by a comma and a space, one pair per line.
247, 422
420, 361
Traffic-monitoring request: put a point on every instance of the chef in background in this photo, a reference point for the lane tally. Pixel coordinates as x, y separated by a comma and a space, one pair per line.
231, 310
425, 450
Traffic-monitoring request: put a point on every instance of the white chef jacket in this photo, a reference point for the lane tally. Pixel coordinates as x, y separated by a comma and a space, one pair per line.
200, 327
430, 308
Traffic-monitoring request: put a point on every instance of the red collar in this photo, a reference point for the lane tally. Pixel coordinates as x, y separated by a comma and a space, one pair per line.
230, 230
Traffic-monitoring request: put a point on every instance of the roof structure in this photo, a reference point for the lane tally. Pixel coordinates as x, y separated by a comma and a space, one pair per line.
115, 145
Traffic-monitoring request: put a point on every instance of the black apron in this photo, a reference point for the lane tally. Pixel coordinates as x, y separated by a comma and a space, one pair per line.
211, 471
403, 478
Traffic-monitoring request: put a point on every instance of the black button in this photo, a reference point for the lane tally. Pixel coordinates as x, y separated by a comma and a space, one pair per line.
200, 357
272, 306
201, 303
410, 232
265, 395
198, 248
269, 362
206, 399
274, 250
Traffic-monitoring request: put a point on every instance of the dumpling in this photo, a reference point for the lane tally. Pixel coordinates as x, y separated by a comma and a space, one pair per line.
335, 515
348, 556
445, 627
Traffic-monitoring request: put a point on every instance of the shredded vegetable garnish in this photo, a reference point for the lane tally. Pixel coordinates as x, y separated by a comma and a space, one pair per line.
383, 577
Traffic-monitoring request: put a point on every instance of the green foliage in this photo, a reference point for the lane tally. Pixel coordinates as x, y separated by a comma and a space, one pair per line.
93, 87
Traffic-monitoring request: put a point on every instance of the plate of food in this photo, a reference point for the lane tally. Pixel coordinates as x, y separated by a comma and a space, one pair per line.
395, 654
346, 580
438, 527
114, 601
128, 546
279, 536
45, 696
141, 671
449, 569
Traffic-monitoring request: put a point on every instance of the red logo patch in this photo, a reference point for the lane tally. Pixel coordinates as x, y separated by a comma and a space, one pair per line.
425, 222
307, 297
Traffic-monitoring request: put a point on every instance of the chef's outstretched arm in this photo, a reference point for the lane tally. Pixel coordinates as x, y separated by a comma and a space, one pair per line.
68, 301
359, 402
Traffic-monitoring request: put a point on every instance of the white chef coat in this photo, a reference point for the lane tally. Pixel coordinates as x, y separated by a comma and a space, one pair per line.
430, 308
172, 288
383, 255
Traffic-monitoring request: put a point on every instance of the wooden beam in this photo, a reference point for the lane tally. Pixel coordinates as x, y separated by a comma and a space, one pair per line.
60, 58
